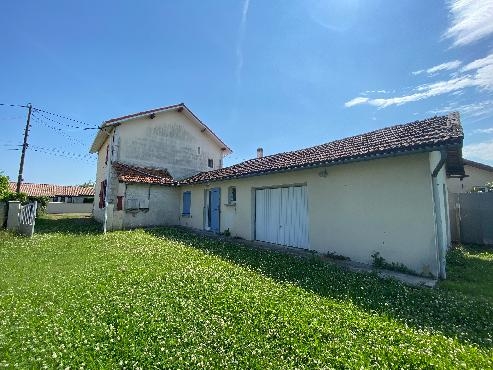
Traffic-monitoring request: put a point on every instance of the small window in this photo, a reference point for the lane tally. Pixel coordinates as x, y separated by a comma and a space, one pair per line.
187, 200
119, 202
198, 150
131, 203
107, 154
232, 194
210, 163
144, 203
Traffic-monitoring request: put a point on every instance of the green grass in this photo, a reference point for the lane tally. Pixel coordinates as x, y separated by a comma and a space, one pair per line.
165, 298
470, 270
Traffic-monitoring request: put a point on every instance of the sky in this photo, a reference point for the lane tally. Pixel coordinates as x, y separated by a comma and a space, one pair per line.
281, 75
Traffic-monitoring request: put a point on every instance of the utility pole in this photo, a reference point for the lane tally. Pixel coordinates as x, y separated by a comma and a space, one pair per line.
24, 147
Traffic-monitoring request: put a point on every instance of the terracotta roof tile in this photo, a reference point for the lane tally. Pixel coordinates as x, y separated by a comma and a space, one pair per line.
49, 190
429, 133
133, 174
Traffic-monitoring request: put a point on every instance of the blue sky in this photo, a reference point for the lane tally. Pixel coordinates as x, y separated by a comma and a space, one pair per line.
278, 74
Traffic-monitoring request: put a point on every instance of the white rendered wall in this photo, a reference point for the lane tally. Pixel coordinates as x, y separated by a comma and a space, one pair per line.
383, 205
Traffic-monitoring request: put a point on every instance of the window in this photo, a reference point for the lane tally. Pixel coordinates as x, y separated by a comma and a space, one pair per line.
210, 163
187, 200
102, 194
232, 194
131, 204
198, 150
119, 203
107, 154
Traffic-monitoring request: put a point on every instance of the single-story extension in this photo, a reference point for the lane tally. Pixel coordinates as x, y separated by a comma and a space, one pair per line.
383, 192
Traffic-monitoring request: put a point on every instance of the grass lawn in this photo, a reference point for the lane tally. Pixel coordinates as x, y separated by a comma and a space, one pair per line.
164, 298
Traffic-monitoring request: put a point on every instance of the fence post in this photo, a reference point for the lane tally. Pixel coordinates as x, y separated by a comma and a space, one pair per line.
13, 215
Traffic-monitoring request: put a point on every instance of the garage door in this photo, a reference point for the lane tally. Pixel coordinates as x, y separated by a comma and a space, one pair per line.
281, 216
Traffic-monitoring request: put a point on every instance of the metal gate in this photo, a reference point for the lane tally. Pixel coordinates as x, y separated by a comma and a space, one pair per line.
472, 217
281, 216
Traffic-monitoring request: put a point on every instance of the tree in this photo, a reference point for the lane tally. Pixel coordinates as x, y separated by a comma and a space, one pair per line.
4, 187
88, 184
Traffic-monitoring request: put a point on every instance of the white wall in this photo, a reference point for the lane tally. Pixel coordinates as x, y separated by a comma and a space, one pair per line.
163, 206
383, 205
61, 207
476, 177
170, 141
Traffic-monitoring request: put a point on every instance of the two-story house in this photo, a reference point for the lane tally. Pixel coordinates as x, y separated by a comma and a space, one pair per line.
381, 193
141, 158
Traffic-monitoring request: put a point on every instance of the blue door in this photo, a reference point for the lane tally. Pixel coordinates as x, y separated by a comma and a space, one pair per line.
215, 208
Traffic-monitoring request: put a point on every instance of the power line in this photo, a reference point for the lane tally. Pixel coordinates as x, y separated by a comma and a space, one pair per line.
14, 105
54, 149
64, 117
61, 123
62, 153
59, 130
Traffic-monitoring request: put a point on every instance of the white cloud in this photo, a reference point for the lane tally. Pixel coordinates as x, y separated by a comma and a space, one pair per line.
239, 44
454, 64
478, 63
376, 91
355, 101
483, 131
479, 151
475, 110
471, 21
480, 75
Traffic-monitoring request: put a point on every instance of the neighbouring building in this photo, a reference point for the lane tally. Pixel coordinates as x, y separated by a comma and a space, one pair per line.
384, 191
477, 175
470, 207
63, 198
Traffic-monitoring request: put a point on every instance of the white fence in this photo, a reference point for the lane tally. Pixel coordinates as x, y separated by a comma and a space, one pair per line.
22, 218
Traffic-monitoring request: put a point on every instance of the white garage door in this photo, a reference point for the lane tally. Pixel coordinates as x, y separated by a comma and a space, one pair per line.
281, 216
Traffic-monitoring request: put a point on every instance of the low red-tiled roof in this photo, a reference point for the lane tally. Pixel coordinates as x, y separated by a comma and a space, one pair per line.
50, 190
133, 174
430, 133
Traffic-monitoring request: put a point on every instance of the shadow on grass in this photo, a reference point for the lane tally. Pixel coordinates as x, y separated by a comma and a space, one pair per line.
470, 271
455, 315
68, 224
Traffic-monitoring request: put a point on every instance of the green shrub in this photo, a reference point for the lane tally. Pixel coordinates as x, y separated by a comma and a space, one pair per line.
380, 263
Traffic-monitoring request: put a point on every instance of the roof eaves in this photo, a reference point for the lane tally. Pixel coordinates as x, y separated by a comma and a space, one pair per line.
371, 156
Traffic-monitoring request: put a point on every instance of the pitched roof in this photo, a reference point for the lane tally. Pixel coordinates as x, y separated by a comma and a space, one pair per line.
50, 190
481, 166
108, 125
133, 174
429, 134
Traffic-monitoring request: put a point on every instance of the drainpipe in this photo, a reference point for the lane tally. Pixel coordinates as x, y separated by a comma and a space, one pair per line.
438, 219
108, 172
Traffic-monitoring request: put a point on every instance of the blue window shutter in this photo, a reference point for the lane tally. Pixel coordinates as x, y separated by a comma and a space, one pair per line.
187, 200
